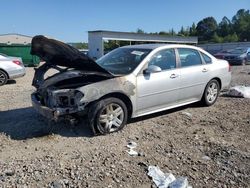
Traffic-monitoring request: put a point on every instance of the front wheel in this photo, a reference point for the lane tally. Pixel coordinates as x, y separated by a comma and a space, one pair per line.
108, 115
211, 93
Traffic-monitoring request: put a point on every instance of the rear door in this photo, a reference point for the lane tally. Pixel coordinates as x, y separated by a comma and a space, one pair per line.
194, 74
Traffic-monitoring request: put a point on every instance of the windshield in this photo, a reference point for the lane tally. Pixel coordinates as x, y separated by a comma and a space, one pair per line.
238, 51
123, 60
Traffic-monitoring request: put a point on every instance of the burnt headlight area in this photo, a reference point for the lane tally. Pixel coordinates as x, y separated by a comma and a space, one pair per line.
66, 101
66, 98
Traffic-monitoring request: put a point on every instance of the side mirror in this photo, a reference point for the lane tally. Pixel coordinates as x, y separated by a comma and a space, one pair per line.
152, 69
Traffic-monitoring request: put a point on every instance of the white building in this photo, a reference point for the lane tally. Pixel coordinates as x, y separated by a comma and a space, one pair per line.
96, 39
14, 38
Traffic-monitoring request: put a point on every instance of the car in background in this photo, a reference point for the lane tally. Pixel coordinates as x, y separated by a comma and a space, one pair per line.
222, 54
128, 82
237, 56
10, 68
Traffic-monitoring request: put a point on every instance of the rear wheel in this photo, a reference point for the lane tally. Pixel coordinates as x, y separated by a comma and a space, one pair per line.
108, 115
3, 78
211, 93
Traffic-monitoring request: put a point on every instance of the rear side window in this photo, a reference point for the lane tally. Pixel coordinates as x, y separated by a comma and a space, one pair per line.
206, 58
189, 57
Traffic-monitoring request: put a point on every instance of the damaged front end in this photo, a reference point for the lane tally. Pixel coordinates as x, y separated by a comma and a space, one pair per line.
57, 96
58, 103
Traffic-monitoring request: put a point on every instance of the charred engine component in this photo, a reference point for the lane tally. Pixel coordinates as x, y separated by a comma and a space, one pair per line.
64, 101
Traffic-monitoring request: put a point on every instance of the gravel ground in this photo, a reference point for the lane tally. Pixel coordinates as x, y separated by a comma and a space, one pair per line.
211, 147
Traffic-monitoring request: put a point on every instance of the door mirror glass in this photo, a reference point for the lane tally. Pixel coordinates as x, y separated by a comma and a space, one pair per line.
152, 69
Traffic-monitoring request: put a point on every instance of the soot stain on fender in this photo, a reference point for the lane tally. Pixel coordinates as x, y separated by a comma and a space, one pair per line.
97, 90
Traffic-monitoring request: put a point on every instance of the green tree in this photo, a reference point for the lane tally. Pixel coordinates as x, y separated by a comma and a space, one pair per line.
216, 38
110, 45
172, 32
206, 28
140, 31
225, 27
241, 24
192, 30
80, 45
184, 32
163, 33
231, 38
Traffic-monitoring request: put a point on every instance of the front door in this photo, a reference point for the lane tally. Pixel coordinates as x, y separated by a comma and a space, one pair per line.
158, 90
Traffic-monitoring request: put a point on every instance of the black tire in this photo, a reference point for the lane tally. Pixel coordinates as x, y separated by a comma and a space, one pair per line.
99, 108
3, 78
207, 99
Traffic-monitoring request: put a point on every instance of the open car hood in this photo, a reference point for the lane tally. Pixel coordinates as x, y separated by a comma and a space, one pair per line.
57, 53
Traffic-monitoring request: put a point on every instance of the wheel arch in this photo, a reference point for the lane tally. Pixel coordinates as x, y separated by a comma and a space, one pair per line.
218, 80
5, 73
215, 78
203, 100
124, 98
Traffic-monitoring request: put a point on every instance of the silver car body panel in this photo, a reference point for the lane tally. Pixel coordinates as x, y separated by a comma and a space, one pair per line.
13, 70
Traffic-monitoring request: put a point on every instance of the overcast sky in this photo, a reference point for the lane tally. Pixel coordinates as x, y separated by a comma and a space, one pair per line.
69, 20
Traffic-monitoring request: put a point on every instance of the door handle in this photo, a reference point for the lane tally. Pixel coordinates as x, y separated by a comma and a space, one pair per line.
204, 70
174, 76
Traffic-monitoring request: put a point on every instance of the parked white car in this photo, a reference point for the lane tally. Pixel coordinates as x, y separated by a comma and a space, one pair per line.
10, 68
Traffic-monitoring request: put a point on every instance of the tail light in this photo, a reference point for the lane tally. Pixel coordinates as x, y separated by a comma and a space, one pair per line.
229, 67
17, 62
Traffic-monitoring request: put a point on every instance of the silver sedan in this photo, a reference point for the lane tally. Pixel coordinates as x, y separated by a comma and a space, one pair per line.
10, 68
128, 82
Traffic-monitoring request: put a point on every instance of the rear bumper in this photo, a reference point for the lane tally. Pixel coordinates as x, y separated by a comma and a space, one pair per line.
17, 73
226, 81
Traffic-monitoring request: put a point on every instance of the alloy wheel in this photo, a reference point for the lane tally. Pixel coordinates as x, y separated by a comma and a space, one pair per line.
212, 92
111, 118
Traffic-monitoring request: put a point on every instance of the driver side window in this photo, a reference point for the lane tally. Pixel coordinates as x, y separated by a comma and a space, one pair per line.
165, 59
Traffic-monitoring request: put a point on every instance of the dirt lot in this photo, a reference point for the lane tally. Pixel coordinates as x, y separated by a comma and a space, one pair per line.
211, 148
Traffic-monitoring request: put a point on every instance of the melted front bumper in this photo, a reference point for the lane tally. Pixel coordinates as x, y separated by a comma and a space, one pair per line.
53, 113
41, 109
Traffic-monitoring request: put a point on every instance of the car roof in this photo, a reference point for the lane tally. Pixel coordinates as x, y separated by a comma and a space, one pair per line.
157, 45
